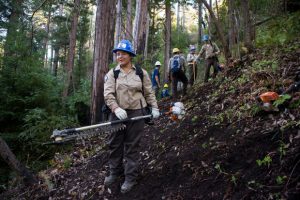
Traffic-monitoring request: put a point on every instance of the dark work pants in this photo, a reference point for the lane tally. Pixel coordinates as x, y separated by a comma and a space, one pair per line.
192, 70
178, 76
208, 63
124, 144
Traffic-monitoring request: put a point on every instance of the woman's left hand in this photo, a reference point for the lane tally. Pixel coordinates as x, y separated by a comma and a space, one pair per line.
155, 112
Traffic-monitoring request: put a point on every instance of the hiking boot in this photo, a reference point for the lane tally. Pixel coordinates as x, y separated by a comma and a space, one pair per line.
110, 179
127, 186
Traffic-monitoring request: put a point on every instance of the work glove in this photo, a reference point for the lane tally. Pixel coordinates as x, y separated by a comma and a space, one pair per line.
155, 112
120, 113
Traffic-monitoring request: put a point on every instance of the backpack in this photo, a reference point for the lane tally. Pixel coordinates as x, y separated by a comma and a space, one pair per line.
175, 64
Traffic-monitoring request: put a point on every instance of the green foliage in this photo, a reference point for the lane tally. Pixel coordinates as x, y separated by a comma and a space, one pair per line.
279, 31
265, 161
282, 149
83, 94
180, 40
260, 65
281, 100
280, 179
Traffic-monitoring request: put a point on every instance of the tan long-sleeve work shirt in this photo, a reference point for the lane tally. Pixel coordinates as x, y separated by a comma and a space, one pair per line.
126, 91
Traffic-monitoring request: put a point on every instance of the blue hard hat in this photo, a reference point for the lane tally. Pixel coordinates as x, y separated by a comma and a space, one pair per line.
205, 38
125, 45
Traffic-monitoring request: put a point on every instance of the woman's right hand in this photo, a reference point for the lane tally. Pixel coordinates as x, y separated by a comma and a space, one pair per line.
120, 113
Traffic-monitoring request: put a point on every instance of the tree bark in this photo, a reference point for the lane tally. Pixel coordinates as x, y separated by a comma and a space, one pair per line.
231, 25
55, 61
167, 39
248, 29
147, 36
219, 30
200, 20
47, 36
140, 29
118, 24
11, 34
129, 21
104, 32
14, 164
72, 46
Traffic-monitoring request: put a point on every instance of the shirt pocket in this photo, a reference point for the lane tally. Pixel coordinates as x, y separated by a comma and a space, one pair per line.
136, 84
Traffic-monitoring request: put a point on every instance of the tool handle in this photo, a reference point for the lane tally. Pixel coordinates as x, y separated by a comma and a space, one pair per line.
73, 130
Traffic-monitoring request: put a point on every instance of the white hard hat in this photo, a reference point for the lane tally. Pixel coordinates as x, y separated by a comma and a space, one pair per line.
157, 63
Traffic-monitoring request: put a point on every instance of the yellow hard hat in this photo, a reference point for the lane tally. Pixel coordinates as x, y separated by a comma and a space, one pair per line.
166, 85
176, 50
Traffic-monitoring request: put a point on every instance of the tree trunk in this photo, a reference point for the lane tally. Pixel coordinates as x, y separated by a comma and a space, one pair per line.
248, 29
167, 40
72, 46
10, 50
104, 33
178, 20
147, 37
129, 21
47, 37
118, 24
55, 61
219, 30
14, 164
140, 29
217, 10
231, 26
200, 21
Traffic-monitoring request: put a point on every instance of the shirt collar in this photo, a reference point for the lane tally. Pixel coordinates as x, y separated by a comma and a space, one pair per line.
118, 67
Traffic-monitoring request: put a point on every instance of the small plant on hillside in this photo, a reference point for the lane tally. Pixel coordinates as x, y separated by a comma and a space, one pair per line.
280, 179
282, 149
265, 161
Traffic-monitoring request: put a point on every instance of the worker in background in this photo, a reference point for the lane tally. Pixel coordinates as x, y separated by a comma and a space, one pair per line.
176, 71
211, 52
192, 65
155, 78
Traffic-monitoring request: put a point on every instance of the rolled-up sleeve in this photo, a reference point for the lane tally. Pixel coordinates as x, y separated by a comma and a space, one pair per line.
148, 91
110, 91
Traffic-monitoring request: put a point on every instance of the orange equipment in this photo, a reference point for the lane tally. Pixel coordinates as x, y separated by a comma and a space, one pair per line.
267, 97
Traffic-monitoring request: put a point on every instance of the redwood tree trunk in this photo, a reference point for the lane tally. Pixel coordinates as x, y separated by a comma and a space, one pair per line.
167, 39
104, 33
129, 21
15, 165
140, 30
72, 46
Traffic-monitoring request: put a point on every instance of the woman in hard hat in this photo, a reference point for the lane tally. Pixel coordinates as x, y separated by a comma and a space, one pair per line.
155, 78
127, 94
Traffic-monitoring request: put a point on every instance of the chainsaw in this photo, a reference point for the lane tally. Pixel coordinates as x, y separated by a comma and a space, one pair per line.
67, 135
